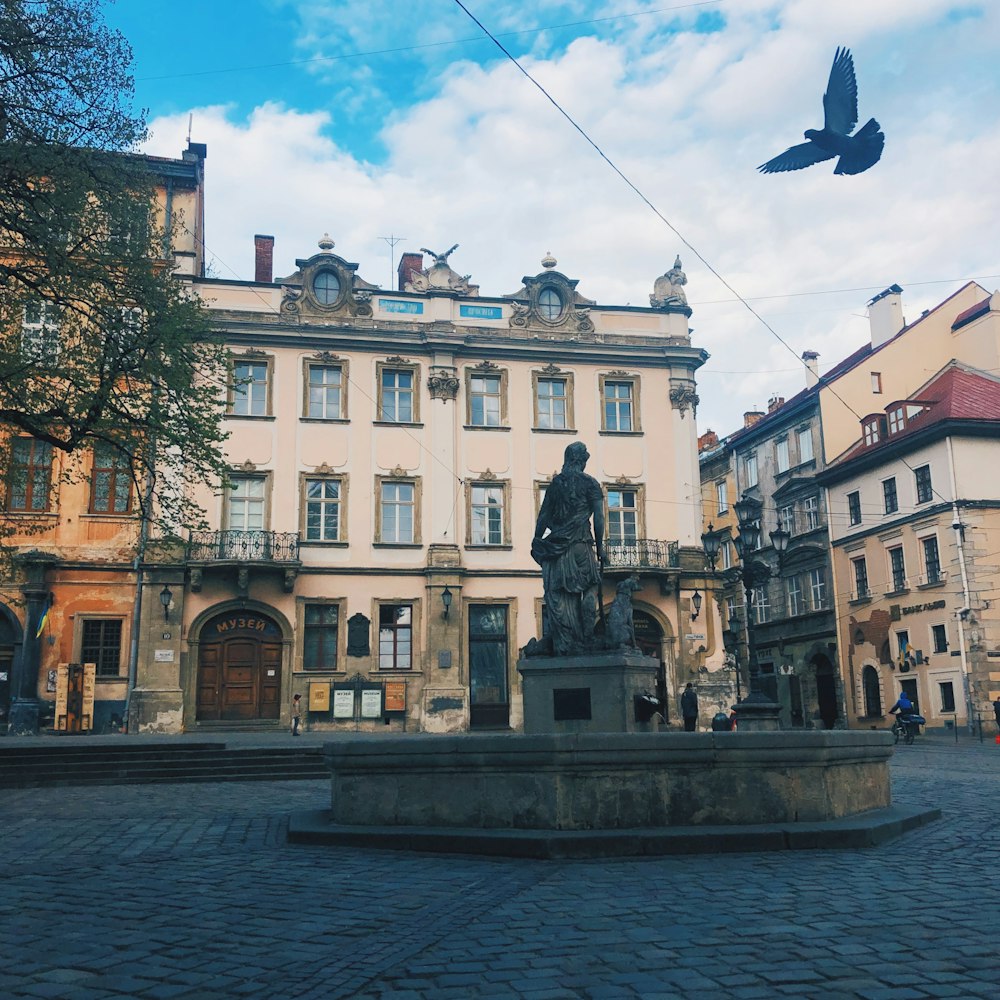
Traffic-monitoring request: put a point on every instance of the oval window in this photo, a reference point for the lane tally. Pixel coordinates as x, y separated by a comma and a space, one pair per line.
550, 304
326, 287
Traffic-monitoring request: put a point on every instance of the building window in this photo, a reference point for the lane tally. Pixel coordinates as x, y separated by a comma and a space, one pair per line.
326, 287
810, 510
922, 478
487, 514
860, 578
761, 605
102, 644
731, 617
323, 500
947, 696
897, 419
249, 397
618, 405
873, 692
817, 588
793, 592
396, 395
932, 559
325, 392
854, 507
40, 330
786, 518
871, 429
245, 505
29, 482
397, 512
550, 304
395, 636
939, 638
553, 403
805, 445
485, 396
319, 637
781, 451
488, 663
750, 470
889, 495
722, 497
897, 568
877, 383
110, 481
727, 553
623, 516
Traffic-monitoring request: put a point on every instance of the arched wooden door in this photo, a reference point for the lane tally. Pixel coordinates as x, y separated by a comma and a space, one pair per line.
239, 668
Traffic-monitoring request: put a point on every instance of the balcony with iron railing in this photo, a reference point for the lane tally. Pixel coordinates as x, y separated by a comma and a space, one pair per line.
641, 555
244, 550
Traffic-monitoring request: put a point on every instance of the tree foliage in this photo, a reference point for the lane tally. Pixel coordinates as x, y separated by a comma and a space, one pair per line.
99, 342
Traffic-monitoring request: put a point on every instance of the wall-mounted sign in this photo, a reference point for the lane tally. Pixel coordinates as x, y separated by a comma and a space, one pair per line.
481, 312
395, 696
319, 696
931, 606
695, 636
163, 655
371, 703
400, 306
343, 703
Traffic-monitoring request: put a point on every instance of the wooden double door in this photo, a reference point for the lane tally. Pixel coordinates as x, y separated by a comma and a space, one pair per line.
239, 669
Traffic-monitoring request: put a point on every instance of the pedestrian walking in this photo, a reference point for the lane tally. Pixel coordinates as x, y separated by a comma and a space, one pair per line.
296, 714
996, 710
689, 708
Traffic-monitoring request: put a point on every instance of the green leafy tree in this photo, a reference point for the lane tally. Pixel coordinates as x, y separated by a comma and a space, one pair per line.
100, 345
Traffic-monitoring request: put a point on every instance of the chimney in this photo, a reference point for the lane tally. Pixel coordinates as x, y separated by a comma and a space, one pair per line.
774, 402
409, 264
751, 417
263, 249
707, 440
885, 315
811, 360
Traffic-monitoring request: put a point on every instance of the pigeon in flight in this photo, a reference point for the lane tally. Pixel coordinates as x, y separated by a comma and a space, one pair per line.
840, 114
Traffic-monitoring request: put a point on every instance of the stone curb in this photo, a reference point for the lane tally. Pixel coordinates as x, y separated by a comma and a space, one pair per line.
863, 830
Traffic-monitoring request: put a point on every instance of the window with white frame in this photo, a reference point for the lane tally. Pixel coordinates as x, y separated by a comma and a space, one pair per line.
397, 509
246, 503
722, 497
781, 453
786, 518
623, 515
817, 588
325, 392
617, 398
805, 444
485, 395
396, 395
486, 511
250, 389
40, 338
810, 512
551, 404
761, 605
323, 513
876, 383
793, 594
395, 636
897, 419
731, 617
726, 549
750, 470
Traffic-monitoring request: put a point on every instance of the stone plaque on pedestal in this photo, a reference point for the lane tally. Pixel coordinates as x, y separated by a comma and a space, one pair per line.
587, 694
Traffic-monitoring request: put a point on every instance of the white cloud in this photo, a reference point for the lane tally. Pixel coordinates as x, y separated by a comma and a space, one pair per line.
484, 160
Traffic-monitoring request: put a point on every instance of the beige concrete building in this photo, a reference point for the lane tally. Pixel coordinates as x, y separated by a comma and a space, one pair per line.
390, 449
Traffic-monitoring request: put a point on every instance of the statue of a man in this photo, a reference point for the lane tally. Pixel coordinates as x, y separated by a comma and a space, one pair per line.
571, 574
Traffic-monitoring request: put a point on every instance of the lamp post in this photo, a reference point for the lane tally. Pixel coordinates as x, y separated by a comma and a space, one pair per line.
756, 711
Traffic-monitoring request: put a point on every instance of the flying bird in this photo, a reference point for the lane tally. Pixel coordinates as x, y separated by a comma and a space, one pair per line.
840, 114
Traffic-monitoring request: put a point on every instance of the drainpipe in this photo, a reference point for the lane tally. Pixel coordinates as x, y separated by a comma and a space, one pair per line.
956, 523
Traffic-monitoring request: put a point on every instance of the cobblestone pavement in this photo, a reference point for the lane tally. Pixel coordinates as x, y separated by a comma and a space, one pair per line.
191, 892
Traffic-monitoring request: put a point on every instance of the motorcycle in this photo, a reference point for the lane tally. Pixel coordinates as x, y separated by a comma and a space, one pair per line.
907, 727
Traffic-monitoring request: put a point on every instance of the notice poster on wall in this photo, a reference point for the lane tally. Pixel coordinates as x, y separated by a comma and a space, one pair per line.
395, 696
343, 703
371, 703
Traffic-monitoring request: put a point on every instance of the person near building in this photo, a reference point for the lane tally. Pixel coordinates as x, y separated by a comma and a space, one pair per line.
296, 714
903, 705
689, 708
996, 710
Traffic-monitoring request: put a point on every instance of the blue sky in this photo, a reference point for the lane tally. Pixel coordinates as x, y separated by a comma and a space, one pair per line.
312, 126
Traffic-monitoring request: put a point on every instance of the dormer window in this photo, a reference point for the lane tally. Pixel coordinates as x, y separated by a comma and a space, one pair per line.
874, 430
550, 304
326, 288
897, 419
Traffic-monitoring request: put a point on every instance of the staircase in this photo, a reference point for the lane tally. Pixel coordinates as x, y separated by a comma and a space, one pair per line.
123, 764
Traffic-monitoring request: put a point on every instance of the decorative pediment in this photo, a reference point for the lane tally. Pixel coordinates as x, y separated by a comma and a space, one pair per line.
397, 359
325, 286
623, 481
487, 476
399, 472
247, 466
486, 366
324, 469
551, 369
440, 279
250, 352
549, 300
326, 357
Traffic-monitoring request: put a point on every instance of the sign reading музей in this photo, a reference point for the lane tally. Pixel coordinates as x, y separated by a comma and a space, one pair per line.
229, 625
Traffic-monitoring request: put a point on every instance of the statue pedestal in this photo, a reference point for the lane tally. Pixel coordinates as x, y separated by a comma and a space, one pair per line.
588, 694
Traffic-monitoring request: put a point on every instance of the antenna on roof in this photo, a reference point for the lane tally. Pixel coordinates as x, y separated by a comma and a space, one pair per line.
392, 241
190, 119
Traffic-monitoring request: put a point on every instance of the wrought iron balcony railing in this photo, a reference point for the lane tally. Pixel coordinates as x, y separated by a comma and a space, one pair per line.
641, 554
243, 546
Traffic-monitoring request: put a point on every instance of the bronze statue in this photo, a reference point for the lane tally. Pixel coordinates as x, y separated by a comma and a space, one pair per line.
564, 546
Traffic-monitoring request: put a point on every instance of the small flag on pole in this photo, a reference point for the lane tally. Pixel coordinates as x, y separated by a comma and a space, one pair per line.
45, 616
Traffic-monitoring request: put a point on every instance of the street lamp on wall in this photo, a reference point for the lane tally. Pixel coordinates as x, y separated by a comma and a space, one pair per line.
696, 604
166, 596
446, 601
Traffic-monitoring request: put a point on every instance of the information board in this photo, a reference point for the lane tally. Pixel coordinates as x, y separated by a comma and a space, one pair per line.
343, 703
371, 703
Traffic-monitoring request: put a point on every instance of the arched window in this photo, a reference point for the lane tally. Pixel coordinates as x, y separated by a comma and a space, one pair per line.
873, 692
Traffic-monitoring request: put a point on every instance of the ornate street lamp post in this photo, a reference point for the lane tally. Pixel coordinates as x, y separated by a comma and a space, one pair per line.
756, 711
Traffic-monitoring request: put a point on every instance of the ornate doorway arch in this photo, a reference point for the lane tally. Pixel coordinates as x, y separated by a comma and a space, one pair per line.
11, 639
239, 667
